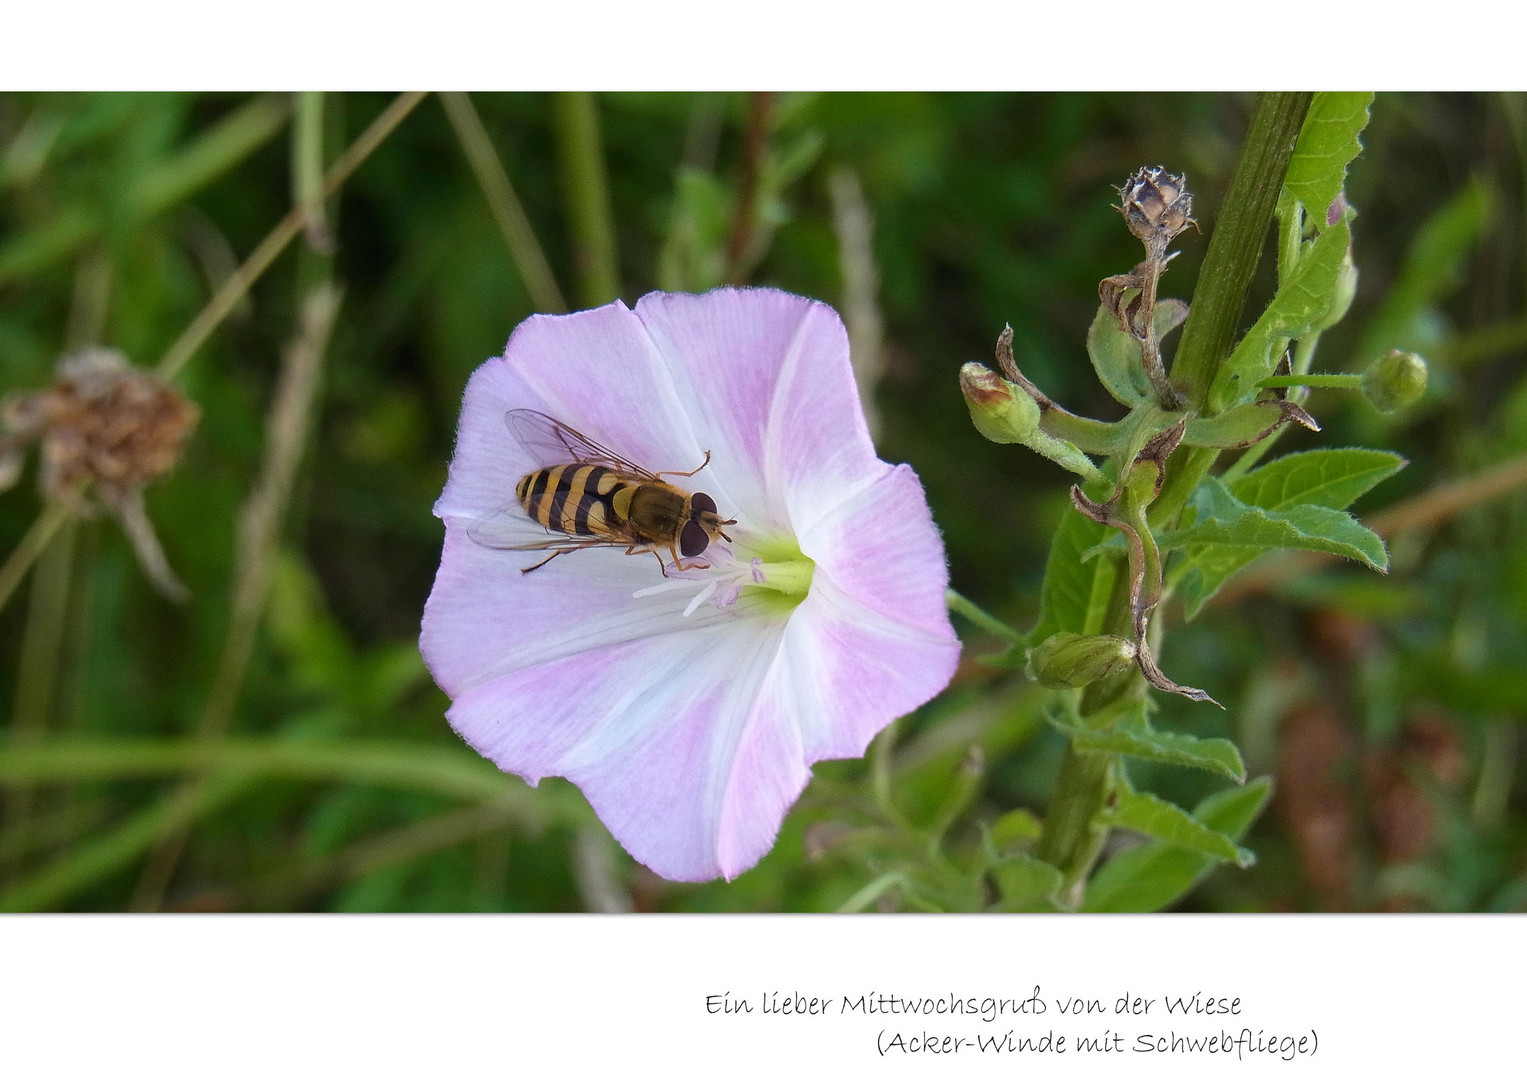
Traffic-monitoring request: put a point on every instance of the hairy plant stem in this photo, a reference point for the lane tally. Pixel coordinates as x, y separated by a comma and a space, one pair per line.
1071, 840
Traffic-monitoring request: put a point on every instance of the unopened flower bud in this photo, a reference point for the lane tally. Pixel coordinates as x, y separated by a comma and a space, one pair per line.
1001, 410
1341, 296
1065, 660
1155, 203
1395, 381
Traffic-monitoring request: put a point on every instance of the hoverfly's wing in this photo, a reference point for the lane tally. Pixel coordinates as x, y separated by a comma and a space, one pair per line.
551, 442
510, 529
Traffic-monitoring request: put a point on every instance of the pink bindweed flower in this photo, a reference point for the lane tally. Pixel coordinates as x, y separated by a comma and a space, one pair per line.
688, 702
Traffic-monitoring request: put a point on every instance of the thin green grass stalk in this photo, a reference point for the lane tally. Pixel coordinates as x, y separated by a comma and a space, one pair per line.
236, 767
412, 766
258, 539
519, 234
307, 169
259, 260
855, 228
211, 154
440, 832
588, 198
20, 560
89, 863
41, 649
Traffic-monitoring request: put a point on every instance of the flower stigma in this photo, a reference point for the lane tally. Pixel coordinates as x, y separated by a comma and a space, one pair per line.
780, 573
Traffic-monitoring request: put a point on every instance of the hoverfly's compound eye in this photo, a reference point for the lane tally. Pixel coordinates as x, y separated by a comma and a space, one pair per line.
702, 503
692, 540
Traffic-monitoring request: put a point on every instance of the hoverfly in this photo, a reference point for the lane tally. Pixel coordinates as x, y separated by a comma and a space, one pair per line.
596, 498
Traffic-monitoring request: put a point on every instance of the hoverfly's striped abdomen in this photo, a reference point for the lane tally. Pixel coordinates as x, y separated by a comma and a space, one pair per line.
581, 500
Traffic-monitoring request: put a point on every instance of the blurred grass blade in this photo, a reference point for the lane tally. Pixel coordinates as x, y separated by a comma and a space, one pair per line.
208, 156
588, 199
529, 259
32, 544
275, 242
307, 170
258, 538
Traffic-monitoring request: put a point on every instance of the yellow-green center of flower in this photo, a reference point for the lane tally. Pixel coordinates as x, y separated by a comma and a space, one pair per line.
780, 572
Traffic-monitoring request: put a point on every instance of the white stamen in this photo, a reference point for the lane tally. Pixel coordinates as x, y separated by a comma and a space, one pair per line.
758, 575
700, 598
661, 587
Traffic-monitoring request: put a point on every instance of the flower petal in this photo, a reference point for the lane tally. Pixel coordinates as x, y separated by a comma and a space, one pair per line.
876, 616
484, 617
773, 398
660, 734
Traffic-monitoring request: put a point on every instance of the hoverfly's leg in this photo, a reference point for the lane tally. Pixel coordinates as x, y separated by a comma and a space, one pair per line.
543, 562
660, 564
691, 472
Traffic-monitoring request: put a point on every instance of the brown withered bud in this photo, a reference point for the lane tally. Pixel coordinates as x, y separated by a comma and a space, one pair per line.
105, 428
102, 421
1156, 204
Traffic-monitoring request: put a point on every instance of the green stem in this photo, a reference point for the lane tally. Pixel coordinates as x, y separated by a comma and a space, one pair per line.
984, 619
1071, 839
1329, 382
1235, 247
588, 198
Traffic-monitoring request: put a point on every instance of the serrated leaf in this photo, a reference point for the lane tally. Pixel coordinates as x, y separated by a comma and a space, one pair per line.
1300, 303
1333, 478
1021, 879
1327, 144
1218, 756
1158, 874
1330, 478
1157, 818
1075, 594
1116, 355
1224, 519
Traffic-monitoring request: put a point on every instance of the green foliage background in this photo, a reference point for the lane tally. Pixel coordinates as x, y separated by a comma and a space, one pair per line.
1387, 710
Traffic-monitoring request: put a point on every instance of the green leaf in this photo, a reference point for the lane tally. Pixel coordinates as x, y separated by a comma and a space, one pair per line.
1022, 879
1301, 302
1328, 478
1327, 144
1332, 478
1015, 826
1158, 874
1116, 355
1145, 813
1224, 519
1218, 756
1075, 594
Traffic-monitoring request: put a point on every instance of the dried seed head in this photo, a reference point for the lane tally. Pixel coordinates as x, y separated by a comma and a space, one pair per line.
102, 421
1156, 205
106, 427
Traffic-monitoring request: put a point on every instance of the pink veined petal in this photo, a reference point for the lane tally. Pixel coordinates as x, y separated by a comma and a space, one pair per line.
773, 389
689, 727
595, 371
876, 613
656, 732
485, 618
